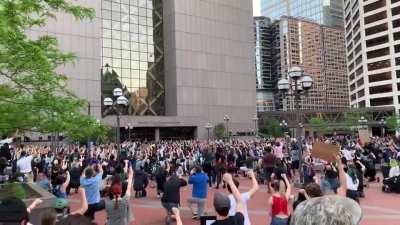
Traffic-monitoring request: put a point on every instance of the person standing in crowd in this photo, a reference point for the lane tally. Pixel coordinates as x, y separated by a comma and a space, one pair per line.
220, 166
91, 182
246, 196
172, 195
279, 201
117, 205
268, 164
352, 183
24, 166
75, 173
222, 205
199, 181
161, 178
208, 158
140, 183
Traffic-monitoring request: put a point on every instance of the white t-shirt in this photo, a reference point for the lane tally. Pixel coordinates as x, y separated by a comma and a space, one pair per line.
24, 164
350, 184
394, 171
245, 197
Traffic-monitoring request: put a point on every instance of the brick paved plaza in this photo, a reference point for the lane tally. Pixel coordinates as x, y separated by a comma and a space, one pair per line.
379, 208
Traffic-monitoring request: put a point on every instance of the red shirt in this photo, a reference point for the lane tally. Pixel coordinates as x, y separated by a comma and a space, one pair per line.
279, 206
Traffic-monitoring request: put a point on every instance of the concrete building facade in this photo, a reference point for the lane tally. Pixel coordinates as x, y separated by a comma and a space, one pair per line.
373, 52
181, 63
324, 12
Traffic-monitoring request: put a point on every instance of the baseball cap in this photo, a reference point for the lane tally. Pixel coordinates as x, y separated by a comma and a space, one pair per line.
221, 201
329, 210
13, 210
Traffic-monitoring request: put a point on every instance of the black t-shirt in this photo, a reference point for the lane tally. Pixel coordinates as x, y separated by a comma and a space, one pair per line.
237, 219
171, 190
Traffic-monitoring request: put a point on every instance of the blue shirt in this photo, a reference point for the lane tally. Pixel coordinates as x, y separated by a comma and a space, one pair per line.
92, 188
45, 184
200, 185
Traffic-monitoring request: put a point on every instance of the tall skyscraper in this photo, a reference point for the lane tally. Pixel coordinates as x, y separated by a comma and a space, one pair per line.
373, 47
325, 12
320, 51
181, 64
267, 65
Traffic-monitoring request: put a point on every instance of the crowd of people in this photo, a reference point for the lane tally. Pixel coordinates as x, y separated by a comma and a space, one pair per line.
104, 177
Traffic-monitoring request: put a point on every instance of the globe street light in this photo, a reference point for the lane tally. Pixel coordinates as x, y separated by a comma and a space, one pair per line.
363, 122
208, 127
382, 124
116, 104
284, 125
129, 127
226, 119
255, 120
298, 84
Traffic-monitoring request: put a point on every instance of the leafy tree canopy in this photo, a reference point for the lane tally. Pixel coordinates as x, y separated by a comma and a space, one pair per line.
320, 125
271, 127
33, 96
219, 131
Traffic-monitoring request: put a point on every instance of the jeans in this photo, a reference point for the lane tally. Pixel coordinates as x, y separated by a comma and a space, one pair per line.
200, 205
279, 221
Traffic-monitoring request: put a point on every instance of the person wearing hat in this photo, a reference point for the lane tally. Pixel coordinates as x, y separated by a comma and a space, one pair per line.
222, 205
327, 210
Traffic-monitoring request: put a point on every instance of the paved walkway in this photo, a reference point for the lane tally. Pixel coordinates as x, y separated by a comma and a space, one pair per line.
378, 208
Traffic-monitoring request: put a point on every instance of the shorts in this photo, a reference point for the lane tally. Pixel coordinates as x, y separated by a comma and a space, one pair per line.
295, 165
168, 206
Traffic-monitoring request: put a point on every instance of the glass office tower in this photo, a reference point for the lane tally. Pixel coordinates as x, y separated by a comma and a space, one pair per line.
325, 12
132, 45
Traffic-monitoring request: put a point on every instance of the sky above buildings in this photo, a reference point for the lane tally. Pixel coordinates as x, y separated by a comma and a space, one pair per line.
256, 7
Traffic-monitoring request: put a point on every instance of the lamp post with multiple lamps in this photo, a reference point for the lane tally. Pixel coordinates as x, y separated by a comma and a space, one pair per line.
116, 104
298, 85
226, 120
382, 124
129, 127
255, 120
284, 126
363, 122
208, 127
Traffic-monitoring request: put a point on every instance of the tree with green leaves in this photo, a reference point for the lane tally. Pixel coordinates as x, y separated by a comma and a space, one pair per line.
33, 96
271, 127
220, 131
393, 123
350, 120
320, 125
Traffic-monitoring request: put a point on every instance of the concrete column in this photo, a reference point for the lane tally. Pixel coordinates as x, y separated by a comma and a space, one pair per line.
157, 134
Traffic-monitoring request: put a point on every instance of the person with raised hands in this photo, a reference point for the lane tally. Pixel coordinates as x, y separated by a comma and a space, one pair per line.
279, 201
222, 205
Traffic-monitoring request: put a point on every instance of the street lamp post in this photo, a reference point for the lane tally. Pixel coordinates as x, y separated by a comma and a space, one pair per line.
284, 125
382, 124
129, 127
226, 119
208, 127
298, 85
363, 122
255, 120
116, 104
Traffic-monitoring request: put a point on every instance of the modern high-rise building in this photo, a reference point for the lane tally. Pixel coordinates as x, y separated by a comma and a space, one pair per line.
325, 12
181, 64
267, 66
320, 51
373, 52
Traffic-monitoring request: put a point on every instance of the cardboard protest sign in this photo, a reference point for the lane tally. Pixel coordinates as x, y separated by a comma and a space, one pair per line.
326, 152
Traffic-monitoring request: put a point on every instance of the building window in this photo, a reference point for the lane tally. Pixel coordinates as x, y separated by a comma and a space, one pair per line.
396, 11
378, 53
378, 65
360, 82
380, 89
397, 61
376, 29
379, 77
374, 6
361, 104
360, 93
375, 17
381, 101
397, 73
396, 23
396, 36
359, 71
377, 41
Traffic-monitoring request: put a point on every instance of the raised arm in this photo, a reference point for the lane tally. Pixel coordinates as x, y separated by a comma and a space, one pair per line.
130, 178
239, 202
288, 187
33, 205
255, 185
342, 178
177, 216
84, 205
